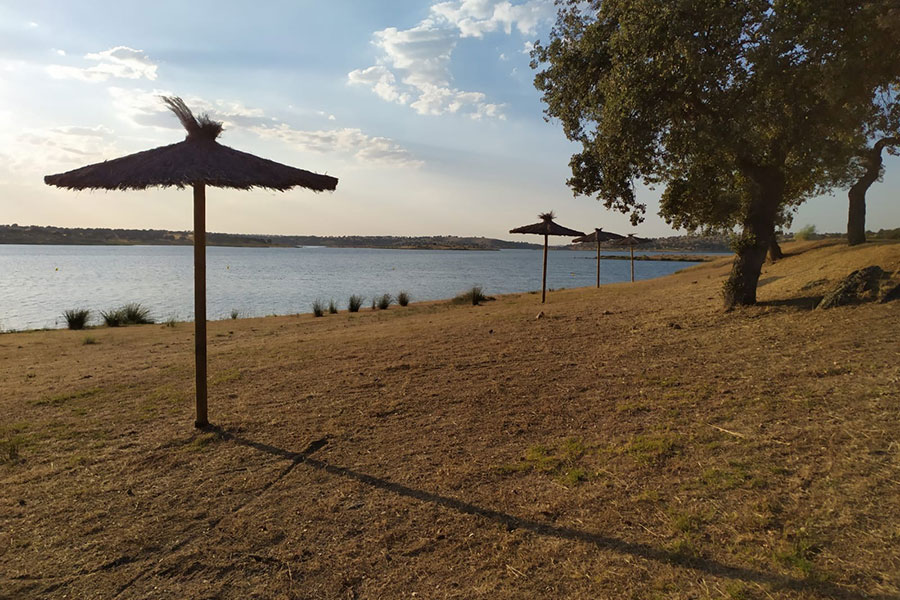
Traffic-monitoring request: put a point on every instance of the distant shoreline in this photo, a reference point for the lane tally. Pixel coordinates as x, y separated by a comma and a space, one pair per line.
66, 236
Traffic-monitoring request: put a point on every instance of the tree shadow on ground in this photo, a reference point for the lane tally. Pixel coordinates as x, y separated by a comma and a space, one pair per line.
712, 567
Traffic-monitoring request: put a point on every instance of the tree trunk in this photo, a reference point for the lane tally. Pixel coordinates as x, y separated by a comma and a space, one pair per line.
775, 252
856, 219
757, 236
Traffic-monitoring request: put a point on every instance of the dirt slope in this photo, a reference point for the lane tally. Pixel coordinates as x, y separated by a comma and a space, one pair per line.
635, 442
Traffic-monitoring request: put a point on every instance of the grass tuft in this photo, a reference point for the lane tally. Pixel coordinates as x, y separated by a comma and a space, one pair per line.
112, 317
332, 307
475, 296
355, 303
403, 298
235, 313
318, 308
77, 318
134, 313
385, 301
89, 341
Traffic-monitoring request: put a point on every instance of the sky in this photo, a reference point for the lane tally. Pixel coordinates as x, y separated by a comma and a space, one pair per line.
425, 111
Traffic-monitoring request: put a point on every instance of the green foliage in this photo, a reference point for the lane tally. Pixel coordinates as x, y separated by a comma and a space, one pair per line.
332, 307
318, 308
887, 234
805, 233
384, 301
235, 313
355, 303
77, 318
403, 298
738, 110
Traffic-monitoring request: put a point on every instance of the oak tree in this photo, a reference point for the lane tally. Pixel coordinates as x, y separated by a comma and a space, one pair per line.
740, 109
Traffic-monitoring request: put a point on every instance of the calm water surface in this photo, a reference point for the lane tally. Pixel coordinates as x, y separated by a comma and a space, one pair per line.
37, 283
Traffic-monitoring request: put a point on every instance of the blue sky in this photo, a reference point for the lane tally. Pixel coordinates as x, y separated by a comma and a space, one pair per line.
425, 111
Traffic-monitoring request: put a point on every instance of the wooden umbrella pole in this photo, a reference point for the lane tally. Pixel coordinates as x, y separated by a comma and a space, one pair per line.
632, 264
598, 261
200, 301
544, 275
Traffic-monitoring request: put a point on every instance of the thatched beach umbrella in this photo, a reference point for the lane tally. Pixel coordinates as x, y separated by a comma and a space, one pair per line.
631, 241
198, 161
598, 236
546, 228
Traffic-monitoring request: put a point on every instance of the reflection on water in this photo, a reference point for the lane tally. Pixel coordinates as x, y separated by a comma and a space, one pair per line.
37, 283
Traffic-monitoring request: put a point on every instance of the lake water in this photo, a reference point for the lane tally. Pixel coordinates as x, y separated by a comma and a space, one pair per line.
37, 283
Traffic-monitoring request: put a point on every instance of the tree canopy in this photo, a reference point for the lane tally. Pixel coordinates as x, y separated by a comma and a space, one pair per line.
739, 109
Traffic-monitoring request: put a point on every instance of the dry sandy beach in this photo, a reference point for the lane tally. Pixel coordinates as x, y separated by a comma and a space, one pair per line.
635, 442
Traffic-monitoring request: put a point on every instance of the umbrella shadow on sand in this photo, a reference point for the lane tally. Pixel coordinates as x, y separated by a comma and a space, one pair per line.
775, 581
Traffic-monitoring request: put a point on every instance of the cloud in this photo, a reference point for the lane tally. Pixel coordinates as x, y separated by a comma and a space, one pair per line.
474, 18
421, 57
120, 62
382, 82
365, 148
64, 148
142, 107
414, 66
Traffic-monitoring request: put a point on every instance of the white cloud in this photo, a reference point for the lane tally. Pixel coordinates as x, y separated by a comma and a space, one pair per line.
63, 148
143, 107
382, 82
365, 148
474, 18
414, 67
120, 62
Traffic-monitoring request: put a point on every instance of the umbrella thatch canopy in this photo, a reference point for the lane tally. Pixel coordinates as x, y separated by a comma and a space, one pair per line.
599, 236
632, 241
198, 161
546, 228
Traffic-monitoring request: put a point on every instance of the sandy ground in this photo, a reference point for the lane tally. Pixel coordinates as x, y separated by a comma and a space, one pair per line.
635, 442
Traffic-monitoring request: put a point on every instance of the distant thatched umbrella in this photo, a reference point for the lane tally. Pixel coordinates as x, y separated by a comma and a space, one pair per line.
598, 236
546, 228
631, 241
198, 161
